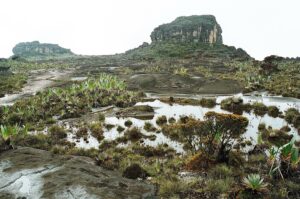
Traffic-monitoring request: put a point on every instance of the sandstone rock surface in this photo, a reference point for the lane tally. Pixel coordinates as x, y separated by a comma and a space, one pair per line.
33, 173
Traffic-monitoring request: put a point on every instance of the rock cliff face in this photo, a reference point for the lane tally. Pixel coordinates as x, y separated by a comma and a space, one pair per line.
198, 29
37, 49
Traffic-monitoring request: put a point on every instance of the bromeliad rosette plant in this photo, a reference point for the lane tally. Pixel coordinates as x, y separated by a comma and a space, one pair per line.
285, 159
289, 159
255, 183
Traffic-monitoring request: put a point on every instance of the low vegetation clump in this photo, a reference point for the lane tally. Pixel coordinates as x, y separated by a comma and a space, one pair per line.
199, 162
11, 83
70, 102
181, 71
57, 133
101, 117
96, 131
204, 102
208, 102
148, 151
149, 127
172, 187
161, 120
292, 116
82, 132
133, 134
135, 171
120, 129
273, 111
128, 123
171, 120
259, 109
276, 137
235, 105
219, 186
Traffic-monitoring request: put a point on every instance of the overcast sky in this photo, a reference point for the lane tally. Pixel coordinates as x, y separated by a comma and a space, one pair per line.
95, 27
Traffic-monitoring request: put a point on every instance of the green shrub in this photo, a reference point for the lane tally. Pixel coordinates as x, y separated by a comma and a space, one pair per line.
149, 127
96, 130
56, 132
219, 186
169, 188
260, 109
120, 129
273, 111
133, 134
128, 123
101, 117
221, 171
208, 102
161, 120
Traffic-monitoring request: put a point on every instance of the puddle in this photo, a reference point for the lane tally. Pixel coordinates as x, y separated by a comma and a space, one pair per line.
91, 141
137, 75
196, 77
176, 110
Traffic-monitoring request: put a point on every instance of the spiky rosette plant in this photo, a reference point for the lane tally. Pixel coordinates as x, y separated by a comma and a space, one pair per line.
255, 183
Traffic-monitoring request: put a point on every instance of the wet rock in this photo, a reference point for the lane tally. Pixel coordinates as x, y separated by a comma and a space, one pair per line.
33, 173
135, 171
140, 112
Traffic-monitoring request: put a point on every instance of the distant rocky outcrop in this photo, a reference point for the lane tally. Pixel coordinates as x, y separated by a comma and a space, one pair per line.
36, 49
196, 28
190, 37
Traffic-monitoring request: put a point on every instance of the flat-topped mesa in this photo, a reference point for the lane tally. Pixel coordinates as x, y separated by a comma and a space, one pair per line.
37, 49
196, 28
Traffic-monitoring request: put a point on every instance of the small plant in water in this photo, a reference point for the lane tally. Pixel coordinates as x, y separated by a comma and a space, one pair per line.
255, 183
128, 123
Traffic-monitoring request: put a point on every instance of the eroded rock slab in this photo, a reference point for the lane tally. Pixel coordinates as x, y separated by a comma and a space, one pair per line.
143, 112
33, 173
